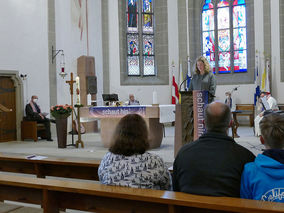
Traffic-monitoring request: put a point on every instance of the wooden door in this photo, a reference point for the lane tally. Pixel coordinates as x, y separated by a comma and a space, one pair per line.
8, 130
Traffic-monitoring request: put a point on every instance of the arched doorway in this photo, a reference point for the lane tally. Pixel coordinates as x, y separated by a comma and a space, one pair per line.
10, 97
8, 131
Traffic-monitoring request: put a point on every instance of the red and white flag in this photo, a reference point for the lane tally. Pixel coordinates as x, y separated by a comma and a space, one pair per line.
175, 93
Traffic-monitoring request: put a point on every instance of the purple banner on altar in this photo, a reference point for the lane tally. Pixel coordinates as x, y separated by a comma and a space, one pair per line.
103, 112
200, 101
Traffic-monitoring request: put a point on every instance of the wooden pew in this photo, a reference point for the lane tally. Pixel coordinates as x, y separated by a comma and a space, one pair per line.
246, 110
281, 106
62, 194
66, 167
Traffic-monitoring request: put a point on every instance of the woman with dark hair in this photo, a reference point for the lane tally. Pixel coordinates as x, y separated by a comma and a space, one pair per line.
128, 163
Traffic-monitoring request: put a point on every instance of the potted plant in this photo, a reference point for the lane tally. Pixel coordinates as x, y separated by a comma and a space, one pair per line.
61, 113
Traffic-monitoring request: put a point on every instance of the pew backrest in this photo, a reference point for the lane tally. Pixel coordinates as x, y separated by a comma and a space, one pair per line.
59, 194
66, 167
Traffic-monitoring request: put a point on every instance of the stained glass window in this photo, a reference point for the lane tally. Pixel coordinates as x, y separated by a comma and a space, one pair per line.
239, 36
208, 35
231, 54
140, 39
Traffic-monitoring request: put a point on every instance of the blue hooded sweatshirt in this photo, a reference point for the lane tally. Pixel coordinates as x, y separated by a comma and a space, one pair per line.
263, 179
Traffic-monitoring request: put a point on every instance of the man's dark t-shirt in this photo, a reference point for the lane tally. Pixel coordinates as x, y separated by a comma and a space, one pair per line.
211, 165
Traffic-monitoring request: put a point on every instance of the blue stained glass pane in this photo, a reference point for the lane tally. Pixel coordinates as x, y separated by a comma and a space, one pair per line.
240, 41
132, 22
224, 40
224, 62
211, 59
240, 61
133, 65
133, 44
148, 23
207, 20
149, 65
239, 2
208, 5
223, 3
147, 6
132, 6
223, 17
132, 14
239, 16
208, 42
148, 46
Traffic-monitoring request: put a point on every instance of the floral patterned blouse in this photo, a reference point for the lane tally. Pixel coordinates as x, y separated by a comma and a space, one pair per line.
137, 171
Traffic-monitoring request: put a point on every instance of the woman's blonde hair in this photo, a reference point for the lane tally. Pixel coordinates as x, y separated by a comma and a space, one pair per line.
206, 65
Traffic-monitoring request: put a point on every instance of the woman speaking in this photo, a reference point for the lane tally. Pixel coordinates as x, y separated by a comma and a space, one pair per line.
203, 79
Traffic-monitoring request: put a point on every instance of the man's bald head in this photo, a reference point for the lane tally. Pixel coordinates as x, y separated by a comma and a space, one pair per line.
217, 117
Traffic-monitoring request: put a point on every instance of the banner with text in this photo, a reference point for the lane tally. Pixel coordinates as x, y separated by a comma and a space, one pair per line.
104, 112
200, 101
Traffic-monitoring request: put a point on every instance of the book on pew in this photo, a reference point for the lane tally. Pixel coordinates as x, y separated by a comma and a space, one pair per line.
35, 157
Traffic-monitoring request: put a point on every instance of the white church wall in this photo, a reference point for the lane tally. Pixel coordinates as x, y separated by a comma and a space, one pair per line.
142, 93
24, 47
245, 92
72, 27
277, 85
173, 43
243, 95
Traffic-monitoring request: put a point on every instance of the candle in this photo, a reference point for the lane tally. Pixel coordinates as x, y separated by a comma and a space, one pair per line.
78, 90
89, 99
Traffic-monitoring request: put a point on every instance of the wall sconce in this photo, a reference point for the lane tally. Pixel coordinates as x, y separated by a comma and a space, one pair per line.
24, 77
62, 61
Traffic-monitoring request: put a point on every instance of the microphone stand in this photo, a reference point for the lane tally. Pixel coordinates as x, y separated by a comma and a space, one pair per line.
183, 82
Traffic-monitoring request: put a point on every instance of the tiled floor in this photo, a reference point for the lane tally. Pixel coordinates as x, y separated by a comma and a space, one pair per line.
94, 148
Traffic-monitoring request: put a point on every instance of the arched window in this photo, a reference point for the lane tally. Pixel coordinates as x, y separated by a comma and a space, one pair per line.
140, 38
224, 39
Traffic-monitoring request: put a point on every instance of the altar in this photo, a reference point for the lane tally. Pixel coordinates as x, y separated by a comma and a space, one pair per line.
110, 116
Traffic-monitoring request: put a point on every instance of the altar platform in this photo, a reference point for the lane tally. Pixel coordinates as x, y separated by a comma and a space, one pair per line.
109, 117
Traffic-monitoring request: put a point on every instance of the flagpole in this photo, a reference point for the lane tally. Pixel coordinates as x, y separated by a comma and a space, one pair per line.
267, 65
188, 51
172, 71
187, 29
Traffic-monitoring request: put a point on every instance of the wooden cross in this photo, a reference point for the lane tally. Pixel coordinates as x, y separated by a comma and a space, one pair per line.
71, 82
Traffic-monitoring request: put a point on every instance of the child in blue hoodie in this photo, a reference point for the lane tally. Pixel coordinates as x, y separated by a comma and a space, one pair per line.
263, 179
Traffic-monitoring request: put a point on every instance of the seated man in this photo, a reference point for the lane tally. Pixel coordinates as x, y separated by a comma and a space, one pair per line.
263, 179
132, 100
33, 113
270, 104
213, 164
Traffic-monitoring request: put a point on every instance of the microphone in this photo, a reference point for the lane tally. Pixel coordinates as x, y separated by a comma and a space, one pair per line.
187, 77
236, 88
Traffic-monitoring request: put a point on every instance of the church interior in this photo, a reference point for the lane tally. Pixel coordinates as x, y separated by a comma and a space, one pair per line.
80, 52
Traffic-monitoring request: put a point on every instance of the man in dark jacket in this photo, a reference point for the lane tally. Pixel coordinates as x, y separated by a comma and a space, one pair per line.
213, 164
33, 113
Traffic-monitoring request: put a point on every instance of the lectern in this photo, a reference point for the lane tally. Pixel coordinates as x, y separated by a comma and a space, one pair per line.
189, 123
184, 120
